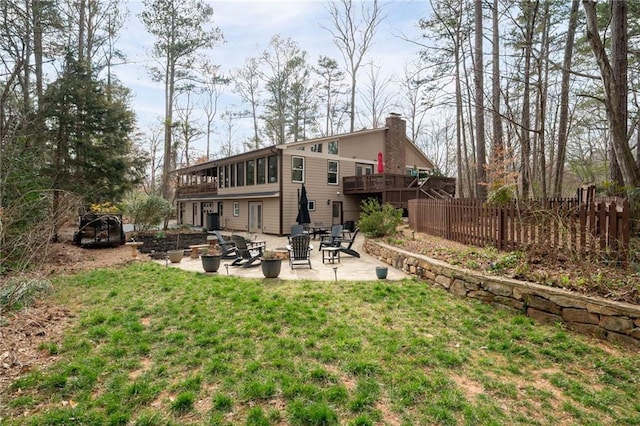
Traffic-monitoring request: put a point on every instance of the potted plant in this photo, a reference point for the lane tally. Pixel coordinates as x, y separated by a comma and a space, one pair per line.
175, 256
271, 263
211, 258
381, 272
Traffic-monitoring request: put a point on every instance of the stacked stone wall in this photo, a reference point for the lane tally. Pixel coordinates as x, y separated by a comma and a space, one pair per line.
609, 320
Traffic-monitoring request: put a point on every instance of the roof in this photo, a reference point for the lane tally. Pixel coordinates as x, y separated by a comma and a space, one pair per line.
244, 195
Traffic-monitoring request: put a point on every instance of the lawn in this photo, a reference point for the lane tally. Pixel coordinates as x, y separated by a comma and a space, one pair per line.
160, 346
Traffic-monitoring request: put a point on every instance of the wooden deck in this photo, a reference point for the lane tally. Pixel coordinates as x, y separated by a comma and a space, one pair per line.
399, 189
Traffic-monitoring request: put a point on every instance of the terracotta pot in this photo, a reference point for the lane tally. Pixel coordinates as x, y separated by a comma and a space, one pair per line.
175, 256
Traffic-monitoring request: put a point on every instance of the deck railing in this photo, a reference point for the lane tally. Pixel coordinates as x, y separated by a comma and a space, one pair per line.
197, 188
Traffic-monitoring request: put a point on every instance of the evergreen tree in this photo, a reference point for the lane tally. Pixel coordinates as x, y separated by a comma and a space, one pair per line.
88, 137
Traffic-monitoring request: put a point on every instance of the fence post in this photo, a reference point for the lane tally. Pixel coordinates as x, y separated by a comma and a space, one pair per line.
447, 219
500, 227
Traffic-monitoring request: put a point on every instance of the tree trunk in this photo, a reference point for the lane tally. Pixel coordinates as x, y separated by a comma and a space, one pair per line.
168, 127
541, 105
81, 28
531, 11
614, 78
478, 77
563, 125
459, 124
498, 143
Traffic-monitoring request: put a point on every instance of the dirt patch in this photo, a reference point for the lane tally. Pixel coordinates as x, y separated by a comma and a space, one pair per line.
29, 338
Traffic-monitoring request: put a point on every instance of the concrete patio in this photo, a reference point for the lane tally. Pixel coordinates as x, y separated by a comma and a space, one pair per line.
348, 268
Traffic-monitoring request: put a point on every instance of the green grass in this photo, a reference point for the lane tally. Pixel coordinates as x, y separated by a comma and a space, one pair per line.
158, 346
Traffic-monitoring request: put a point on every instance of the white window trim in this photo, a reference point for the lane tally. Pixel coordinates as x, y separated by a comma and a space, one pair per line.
293, 169
236, 208
337, 172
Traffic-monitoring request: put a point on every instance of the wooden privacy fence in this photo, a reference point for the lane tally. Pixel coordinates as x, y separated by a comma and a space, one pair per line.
595, 230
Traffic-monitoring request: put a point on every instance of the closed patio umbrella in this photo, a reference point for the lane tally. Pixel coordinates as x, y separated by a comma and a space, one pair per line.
380, 163
303, 208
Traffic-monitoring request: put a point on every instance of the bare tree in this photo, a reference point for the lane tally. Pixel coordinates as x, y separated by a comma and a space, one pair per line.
186, 128
450, 24
228, 147
614, 79
414, 91
285, 63
213, 86
478, 78
376, 96
180, 28
563, 124
331, 87
247, 86
154, 138
353, 35
498, 165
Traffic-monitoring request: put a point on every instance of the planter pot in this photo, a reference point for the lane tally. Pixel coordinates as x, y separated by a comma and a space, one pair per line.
271, 267
210, 262
381, 272
175, 256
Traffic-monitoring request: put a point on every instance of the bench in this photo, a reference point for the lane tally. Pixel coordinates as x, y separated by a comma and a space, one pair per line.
195, 249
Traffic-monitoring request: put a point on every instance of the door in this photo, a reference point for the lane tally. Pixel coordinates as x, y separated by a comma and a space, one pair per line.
336, 213
194, 216
205, 208
255, 216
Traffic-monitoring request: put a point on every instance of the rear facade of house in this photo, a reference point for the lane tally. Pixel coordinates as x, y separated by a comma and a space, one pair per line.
258, 191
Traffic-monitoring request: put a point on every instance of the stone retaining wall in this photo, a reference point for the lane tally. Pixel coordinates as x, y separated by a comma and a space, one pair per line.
168, 242
614, 321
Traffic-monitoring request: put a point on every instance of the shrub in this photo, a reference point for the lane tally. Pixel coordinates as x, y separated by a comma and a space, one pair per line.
146, 211
18, 292
378, 221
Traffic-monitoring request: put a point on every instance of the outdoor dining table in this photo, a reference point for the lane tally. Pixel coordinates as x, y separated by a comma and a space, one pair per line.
256, 244
319, 230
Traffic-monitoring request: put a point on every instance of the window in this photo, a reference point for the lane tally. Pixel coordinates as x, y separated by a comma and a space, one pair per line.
297, 169
364, 169
332, 172
272, 167
232, 174
316, 147
236, 208
312, 206
221, 177
226, 176
260, 173
220, 205
240, 174
332, 147
250, 172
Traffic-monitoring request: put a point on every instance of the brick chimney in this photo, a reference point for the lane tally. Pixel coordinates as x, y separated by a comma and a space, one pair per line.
395, 159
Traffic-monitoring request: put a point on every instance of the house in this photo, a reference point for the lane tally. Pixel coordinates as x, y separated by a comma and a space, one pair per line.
258, 191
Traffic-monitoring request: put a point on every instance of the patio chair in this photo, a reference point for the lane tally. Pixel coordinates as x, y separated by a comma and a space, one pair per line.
229, 250
295, 230
345, 244
330, 240
348, 228
246, 256
300, 251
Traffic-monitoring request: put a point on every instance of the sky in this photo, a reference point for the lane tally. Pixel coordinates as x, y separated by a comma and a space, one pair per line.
248, 26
